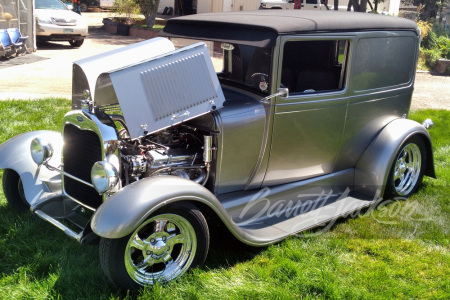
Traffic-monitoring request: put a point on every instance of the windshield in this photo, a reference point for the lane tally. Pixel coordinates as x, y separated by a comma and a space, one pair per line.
50, 4
235, 64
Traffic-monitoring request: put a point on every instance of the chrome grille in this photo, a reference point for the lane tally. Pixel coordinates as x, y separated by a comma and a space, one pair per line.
82, 148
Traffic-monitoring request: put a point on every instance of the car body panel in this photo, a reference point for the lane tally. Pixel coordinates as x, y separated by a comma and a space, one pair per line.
372, 169
37, 182
87, 71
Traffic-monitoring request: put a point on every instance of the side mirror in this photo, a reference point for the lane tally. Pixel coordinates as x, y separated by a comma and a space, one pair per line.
282, 92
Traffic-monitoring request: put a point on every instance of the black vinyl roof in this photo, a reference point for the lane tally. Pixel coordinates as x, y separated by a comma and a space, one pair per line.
262, 27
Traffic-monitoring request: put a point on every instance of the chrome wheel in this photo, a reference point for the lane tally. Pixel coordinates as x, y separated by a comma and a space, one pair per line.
161, 249
407, 169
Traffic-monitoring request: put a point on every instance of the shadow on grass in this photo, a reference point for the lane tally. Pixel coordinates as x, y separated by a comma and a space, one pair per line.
225, 250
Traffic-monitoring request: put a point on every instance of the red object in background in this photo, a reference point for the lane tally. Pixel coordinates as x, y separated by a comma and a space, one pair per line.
298, 4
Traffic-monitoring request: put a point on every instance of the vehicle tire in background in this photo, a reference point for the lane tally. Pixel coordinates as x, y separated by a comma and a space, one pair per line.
13, 190
407, 170
161, 249
76, 43
84, 7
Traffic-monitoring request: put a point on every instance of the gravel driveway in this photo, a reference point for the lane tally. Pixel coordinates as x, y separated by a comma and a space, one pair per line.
431, 91
48, 71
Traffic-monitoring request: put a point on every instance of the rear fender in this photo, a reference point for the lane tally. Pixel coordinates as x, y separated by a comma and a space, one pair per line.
15, 154
372, 170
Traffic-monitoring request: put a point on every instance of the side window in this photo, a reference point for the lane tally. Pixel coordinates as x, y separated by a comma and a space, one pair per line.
314, 66
383, 62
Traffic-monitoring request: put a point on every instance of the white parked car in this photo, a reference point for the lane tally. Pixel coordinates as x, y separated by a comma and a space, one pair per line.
55, 22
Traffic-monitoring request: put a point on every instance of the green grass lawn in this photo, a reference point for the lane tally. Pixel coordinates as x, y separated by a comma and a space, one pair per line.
400, 251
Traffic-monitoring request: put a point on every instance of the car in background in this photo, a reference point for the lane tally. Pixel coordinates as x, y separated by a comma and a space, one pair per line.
56, 22
69, 4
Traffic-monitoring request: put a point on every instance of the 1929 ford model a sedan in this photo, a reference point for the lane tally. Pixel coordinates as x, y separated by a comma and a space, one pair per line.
272, 121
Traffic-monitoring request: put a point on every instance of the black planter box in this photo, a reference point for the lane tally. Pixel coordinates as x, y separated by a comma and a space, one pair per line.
123, 29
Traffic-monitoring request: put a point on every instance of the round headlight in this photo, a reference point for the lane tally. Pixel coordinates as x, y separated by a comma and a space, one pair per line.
41, 150
104, 176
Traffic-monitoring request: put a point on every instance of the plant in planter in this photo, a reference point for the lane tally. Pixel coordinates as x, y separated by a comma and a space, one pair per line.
126, 9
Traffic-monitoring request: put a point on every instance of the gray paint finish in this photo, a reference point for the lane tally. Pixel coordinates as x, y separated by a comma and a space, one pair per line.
38, 182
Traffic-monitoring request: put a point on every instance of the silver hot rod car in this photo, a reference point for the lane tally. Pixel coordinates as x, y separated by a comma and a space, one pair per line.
272, 122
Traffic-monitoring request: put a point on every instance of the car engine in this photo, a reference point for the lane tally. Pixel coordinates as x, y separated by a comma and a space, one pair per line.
179, 151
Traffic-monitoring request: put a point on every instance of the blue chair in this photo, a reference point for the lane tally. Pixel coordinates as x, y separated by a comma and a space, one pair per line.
6, 48
17, 40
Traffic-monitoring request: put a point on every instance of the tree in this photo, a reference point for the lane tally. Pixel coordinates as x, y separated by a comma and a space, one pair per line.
149, 8
358, 5
429, 9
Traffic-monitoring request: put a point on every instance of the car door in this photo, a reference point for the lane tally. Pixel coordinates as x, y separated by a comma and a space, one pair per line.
309, 123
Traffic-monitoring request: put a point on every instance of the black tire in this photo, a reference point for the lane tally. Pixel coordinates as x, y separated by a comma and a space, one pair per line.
84, 7
119, 257
13, 190
76, 43
407, 170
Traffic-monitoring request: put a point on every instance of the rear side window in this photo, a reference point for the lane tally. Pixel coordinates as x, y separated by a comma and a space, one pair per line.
383, 62
314, 66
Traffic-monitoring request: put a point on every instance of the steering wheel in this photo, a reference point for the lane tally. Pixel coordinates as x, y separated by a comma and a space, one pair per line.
260, 80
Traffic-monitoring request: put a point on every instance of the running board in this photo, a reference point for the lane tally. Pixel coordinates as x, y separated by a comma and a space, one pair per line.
282, 223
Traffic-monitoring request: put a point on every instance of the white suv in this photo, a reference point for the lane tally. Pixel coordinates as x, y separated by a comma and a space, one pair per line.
55, 22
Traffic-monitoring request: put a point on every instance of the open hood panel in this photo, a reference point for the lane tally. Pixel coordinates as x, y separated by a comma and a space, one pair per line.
168, 87
167, 90
86, 71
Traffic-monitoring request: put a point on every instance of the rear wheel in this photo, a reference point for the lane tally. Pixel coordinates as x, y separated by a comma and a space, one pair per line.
13, 190
407, 170
161, 249
76, 43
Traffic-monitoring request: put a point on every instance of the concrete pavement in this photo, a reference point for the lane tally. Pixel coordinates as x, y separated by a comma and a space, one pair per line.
48, 71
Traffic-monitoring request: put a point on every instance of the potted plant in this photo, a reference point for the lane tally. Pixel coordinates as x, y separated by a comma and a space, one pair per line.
126, 9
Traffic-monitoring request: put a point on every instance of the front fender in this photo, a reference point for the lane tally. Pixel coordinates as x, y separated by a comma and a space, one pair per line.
372, 169
15, 154
125, 210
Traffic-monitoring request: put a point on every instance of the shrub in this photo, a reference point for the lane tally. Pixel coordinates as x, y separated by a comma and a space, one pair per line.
425, 28
434, 45
430, 56
127, 8
443, 42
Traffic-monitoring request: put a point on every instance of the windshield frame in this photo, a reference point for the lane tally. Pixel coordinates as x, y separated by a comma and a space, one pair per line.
251, 66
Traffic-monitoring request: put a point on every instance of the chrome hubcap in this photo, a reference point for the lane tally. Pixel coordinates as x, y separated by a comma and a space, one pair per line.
407, 169
161, 249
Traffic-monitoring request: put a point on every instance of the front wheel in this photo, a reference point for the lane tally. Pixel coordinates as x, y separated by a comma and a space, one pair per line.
407, 170
76, 43
13, 190
161, 249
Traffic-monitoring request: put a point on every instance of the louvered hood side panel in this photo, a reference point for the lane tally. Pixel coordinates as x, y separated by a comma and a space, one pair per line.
173, 88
